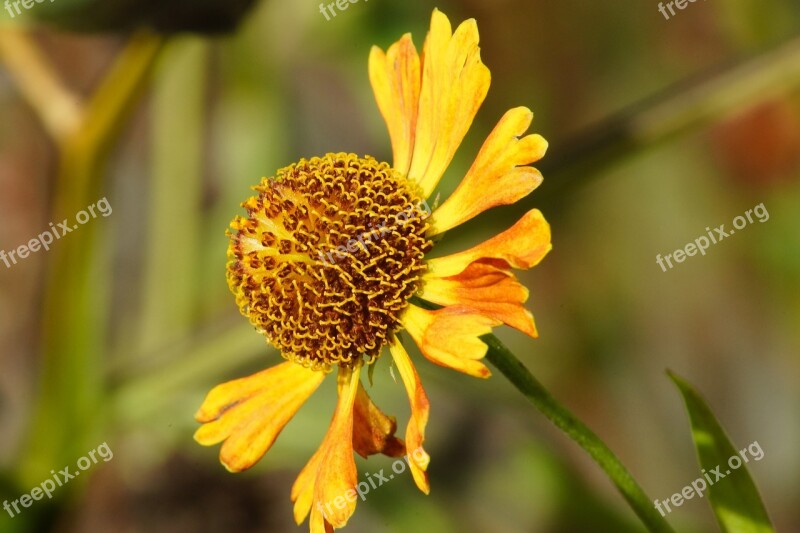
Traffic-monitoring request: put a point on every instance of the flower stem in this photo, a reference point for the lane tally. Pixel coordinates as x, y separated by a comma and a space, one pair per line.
70, 407
511, 367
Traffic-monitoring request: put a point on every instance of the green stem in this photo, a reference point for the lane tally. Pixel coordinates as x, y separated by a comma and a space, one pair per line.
686, 106
511, 367
75, 313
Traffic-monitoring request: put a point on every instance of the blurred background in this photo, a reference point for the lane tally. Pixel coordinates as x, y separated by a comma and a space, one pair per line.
658, 128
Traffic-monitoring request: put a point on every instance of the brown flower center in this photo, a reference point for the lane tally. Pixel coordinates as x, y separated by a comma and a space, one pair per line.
330, 252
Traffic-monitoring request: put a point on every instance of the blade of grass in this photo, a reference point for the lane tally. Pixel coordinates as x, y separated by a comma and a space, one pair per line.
734, 498
173, 242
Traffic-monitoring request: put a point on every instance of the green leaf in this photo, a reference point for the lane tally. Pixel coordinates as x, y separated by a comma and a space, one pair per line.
734, 498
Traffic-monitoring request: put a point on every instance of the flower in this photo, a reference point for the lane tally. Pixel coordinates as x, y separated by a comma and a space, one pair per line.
324, 312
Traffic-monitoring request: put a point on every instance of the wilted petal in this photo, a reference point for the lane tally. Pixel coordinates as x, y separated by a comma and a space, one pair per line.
373, 431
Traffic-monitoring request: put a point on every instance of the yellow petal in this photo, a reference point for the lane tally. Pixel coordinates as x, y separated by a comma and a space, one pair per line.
521, 246
318, 524
484, 288
395, 79
303, 488
498, 175
454, 85
334, 488
449, 337
418, 458
249, 413
326, 485
373, 431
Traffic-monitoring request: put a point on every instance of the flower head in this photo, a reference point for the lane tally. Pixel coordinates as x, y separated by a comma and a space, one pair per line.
333, 248
322, 264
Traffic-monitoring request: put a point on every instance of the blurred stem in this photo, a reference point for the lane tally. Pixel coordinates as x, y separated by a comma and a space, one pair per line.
66, 416
195, 366
511, 367
686, 106
56, 105
176, 184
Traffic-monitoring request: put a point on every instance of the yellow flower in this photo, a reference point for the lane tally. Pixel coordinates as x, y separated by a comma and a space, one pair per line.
333, 248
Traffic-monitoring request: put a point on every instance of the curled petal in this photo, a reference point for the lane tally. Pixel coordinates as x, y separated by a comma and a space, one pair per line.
249, 413
521, 246
328, 480
489, 290
454, 84
418, 459
395, 78
449, 337
498, 175
373, 431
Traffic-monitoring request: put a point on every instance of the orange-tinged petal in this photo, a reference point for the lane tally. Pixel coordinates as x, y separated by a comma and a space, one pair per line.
498, 175
449, 337
373, 431
454, 85
418, 459
337, 475
331, 471
249, 413
318, 524
395, 78
303, 488
489, 290
521, 246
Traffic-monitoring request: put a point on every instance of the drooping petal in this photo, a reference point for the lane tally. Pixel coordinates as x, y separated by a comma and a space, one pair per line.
318, 524
418, 458
326, 485
489, 290
454, 84
395, 78
449, 337
337, 475
303, 488
521, 246
499, 175
373, 431
249, 413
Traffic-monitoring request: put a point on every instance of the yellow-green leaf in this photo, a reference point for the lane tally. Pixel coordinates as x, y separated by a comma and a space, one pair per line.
731, 492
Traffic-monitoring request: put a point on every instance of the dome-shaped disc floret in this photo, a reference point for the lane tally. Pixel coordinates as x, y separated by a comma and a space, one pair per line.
327, 258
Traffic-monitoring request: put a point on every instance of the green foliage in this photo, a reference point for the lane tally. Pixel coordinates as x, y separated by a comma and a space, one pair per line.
734, 499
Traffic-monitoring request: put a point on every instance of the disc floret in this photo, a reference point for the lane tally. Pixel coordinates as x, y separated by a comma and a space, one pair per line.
327, 257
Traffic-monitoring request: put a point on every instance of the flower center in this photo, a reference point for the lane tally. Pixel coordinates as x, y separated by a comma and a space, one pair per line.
327, 258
